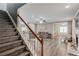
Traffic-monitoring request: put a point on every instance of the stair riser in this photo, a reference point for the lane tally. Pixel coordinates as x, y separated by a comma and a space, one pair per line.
4, 20
25, 53
1, 31
9, 47
3, 12
8, 40
16, 53
12, 50
6, 35
6, 23
6, 26
3, 25
3, 16
5, 29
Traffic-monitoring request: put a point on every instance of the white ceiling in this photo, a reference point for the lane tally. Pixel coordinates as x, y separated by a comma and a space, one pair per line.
50, 12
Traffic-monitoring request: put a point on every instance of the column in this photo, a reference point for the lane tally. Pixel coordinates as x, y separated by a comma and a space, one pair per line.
74, 32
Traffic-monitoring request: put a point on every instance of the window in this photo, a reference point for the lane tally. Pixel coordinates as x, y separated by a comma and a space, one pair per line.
63, 29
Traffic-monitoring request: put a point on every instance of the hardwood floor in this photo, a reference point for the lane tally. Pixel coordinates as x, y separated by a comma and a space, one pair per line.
55, 48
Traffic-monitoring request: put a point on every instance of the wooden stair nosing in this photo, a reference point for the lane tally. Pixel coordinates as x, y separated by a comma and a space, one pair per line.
11, 50
7, 37
24, 53
9, 43
6, 28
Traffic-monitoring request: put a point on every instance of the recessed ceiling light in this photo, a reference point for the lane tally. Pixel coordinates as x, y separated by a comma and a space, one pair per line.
32, 16
67, 6
41, 17
41, 22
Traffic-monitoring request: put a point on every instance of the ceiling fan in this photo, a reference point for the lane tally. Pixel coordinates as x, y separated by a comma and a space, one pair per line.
42, 20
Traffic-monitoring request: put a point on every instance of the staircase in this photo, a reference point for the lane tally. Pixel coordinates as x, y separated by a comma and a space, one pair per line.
11, 43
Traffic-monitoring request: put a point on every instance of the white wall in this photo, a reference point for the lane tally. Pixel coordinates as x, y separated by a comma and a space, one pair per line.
74, 32
69, 27
12, 9
30, 44
45, 28
3, 6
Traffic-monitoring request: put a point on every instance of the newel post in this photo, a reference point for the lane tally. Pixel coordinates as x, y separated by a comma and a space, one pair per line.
42, 46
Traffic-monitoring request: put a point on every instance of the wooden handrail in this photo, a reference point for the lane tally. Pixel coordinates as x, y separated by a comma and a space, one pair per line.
40, 40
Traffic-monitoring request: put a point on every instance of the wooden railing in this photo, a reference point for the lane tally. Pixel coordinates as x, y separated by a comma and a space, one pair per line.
40, 40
